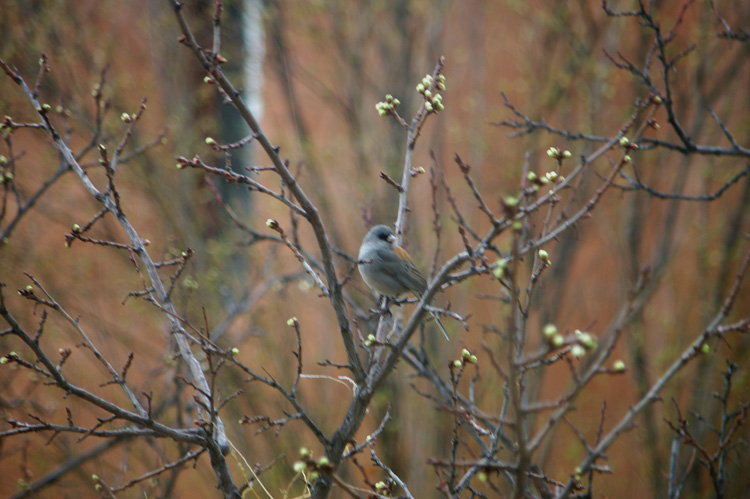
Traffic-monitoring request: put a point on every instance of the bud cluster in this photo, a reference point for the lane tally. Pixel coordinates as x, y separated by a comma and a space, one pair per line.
558, 154
433, 102
389, 104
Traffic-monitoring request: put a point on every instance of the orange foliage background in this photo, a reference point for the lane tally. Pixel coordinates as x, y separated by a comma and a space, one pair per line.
343, 57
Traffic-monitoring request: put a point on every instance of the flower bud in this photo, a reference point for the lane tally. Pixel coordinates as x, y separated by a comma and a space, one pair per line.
549, 331
577, 351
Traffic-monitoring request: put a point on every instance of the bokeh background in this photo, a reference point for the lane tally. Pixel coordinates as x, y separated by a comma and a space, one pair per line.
313, 71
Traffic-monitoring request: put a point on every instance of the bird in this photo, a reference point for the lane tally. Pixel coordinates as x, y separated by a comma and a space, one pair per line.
388, 269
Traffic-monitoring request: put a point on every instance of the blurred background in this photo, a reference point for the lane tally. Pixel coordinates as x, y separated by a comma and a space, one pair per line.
313, 72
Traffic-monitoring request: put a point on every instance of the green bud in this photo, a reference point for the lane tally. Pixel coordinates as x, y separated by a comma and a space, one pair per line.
577, 351
46, 107
588, 341
499, 270
299, 467
323, 461
543, 254
705, 348
420, 88
473, 359
558, 341
210, 141
624, 141
549, 331
428, 106
465, 354
457, 363
304, 451
76, 228
235, 351
618, 366
566, 154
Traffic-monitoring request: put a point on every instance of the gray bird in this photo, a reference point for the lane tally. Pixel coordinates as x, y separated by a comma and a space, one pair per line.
390, 271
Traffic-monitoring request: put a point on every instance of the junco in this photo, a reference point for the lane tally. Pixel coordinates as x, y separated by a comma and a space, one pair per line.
391, 271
